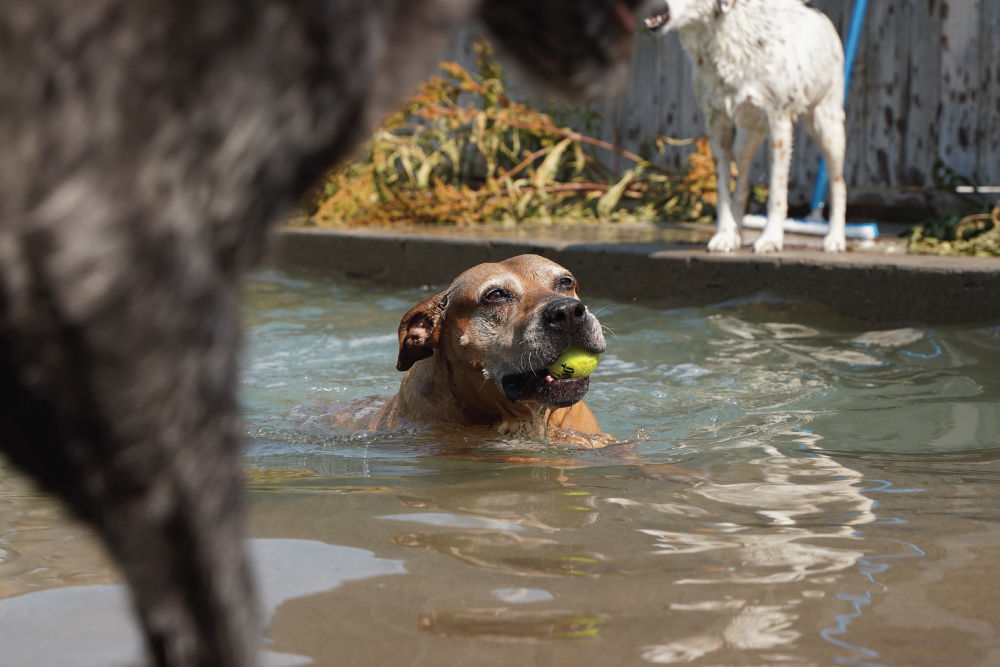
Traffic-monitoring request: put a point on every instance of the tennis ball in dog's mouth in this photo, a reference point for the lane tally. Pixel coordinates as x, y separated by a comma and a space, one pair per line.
574, 362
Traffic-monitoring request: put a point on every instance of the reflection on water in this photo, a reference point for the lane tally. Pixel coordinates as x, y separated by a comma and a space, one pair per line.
95, 626
837, 501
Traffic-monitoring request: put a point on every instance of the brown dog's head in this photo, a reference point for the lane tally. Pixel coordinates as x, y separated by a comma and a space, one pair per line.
497, 328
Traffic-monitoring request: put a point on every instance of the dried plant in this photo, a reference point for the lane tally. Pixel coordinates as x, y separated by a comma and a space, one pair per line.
974, 232
977, 234
462, 152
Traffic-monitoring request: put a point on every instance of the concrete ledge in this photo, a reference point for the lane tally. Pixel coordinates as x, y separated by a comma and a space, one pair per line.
879, 288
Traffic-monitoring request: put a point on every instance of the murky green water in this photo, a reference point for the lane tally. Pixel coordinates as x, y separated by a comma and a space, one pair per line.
843, 506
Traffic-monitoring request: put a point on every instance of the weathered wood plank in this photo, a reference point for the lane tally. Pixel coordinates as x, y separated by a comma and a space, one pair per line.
884, 92
922, 81
988, 137
960, 80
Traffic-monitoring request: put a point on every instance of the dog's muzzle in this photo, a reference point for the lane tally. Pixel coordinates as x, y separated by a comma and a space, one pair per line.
658, 20
564, 315
565, 321
540, 387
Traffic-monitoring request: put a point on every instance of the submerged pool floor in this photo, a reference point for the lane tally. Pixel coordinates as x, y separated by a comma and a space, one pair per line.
842, 506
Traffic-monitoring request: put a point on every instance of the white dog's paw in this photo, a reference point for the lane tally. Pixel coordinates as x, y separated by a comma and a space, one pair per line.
767, 243
725, 241
834, 243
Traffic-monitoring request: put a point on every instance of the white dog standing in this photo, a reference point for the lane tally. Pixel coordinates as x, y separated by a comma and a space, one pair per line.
759, 66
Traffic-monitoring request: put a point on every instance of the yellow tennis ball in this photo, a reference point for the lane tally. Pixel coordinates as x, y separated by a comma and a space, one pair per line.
574, 362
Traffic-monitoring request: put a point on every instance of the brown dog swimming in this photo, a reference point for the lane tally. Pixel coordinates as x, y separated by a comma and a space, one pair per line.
476, 354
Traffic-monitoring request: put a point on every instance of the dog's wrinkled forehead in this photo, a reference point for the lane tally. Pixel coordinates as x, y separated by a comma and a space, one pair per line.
517, 276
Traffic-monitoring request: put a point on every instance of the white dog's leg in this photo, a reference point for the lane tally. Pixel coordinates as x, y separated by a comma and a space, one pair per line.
748, 141
772, 238
826, 125
728, 229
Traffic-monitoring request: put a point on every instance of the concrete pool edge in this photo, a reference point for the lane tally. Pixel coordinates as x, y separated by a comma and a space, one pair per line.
874, 287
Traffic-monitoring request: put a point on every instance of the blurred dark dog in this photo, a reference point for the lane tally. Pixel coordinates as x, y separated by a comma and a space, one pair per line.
146, 145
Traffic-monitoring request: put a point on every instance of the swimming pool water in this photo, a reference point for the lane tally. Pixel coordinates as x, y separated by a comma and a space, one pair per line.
836, 503
842, 506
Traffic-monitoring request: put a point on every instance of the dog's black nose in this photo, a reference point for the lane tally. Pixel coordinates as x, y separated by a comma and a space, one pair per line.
565, 314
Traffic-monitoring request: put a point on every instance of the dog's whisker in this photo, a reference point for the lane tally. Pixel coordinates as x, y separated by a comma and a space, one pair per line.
613, 334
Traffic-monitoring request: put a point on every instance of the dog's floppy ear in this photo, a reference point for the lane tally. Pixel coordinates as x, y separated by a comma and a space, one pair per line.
419, 331
723, 6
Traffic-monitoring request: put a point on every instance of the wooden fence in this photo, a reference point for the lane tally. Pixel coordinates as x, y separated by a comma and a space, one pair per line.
925, 90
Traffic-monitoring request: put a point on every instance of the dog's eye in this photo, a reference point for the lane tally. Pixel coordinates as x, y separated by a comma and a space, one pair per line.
565, 284
495, 296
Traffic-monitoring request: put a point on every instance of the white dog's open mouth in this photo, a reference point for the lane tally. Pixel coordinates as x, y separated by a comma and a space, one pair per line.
656, 21
543, 388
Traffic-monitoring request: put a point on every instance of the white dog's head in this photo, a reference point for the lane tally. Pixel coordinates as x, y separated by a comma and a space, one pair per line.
673, 14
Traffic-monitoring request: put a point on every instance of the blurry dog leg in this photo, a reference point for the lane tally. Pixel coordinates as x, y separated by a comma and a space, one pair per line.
748, 141
772, 238
826, 126
728, 235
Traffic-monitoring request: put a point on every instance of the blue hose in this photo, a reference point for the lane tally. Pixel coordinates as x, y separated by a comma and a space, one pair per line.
850, 54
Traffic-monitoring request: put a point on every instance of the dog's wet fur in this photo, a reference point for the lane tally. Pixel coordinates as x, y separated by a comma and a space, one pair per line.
147, 145
478, 354
758, 67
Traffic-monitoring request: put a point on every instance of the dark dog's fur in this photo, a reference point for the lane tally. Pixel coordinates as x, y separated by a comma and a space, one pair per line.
146, 144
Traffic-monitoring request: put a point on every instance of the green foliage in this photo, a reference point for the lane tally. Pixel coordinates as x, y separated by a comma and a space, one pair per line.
975, 234
461, 151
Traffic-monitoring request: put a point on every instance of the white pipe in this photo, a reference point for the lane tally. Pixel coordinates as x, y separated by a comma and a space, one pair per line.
855, 230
